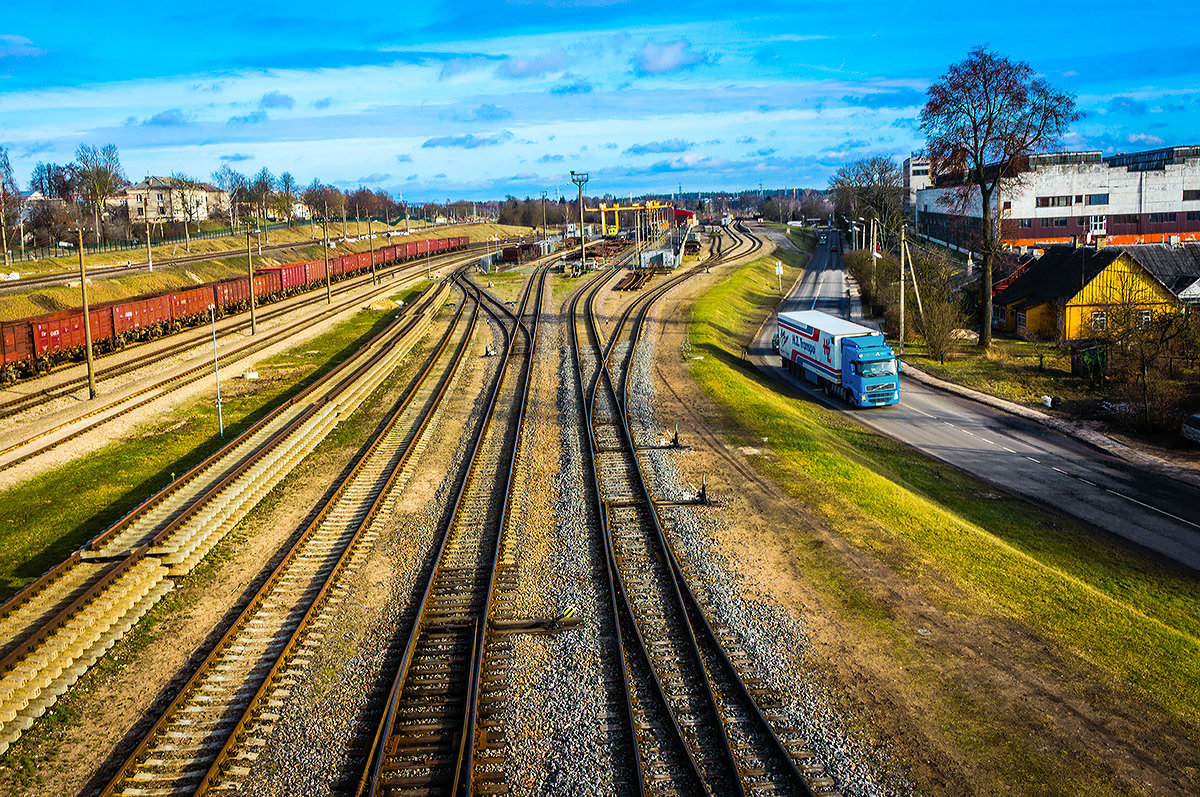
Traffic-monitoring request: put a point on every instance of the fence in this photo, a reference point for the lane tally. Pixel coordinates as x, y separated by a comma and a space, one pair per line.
43, 252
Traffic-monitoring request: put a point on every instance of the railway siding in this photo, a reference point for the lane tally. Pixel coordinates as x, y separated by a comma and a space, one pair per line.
33, 679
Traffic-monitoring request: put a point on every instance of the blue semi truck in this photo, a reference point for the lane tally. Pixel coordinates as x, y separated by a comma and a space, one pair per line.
843, 358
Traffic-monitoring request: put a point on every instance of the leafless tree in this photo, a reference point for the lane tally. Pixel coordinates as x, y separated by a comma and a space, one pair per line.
233, 183
10, 200
942, 312
870, 187
286, 196
51, 180
262, 191
984, 117
185, 195
98, 175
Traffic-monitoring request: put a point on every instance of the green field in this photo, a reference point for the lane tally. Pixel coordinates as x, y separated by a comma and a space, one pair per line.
1131, 620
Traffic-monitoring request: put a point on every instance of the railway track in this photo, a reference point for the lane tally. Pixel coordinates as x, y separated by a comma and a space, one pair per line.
67, 275
703, 721
58, 626
28, 448
209, 735
315, 298
436, 725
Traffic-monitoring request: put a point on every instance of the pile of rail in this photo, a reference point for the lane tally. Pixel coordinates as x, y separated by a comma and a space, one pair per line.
633, 281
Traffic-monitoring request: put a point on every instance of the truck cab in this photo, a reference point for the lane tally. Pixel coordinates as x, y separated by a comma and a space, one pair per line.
869, 372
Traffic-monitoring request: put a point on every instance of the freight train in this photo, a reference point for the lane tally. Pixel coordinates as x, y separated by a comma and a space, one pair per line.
30, 346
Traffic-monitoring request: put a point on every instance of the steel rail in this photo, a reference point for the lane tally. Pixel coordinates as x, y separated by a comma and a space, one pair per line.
604, 375
281, 570
377, 754
409, 316
271, 310
531, 337
105, 578
604, 353
704, 625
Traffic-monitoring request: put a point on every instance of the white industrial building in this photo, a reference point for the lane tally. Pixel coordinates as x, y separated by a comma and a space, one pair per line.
1065, 197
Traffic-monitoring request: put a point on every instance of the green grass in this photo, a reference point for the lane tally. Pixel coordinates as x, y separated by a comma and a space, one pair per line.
1010, 370
42, 526
1132, 619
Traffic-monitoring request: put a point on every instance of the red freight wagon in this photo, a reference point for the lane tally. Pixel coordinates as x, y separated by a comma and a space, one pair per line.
139, 312
286, 278
190, 303
410, 249
16, 342
314, 271
63, 330
422, 247
231, 293
267, 284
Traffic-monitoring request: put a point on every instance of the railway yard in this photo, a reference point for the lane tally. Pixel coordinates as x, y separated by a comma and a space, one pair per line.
497, 542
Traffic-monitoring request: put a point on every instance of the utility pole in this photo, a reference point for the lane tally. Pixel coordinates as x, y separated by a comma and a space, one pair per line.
543, 215
212, 312
87, 316
357, 222
371, 242
873, 259
580, 179
146, 213
902, 291
250, 275
4, 226
343, 218
325, 235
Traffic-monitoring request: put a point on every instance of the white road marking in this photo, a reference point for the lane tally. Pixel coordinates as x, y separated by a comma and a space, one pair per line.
1154, 508
1060, 470
1085, 481
923, 412
1009, 450
1031, 459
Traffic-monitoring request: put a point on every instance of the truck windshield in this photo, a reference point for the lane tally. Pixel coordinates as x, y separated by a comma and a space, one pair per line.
876, 368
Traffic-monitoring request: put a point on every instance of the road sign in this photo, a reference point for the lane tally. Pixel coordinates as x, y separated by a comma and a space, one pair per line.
778, 268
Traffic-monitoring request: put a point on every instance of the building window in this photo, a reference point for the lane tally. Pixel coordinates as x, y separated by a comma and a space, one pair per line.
1192, 195
1020, 319
139, 211
1008, 205
1046, 222
1060, 222
1193, 215
1099, 320
1026, 223
1125, 218
161, 210
1078, 198
1143, 319
1097, 199
1162, 218
160, 197
1054, 201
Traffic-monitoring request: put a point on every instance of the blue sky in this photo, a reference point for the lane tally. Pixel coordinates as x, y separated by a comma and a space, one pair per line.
478, 100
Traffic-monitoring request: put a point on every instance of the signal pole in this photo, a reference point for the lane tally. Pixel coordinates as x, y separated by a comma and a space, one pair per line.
250, 275
87, 319
580, 179
325, 234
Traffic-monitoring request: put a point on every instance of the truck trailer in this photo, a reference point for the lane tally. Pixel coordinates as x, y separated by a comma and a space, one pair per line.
843, 358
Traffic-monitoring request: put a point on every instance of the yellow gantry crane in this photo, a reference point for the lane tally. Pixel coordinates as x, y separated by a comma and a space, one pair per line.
658, 215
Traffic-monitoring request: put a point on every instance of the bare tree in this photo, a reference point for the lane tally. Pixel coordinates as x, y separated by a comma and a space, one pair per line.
984, 118
51, 180
10, 200
185, 193
98, 175
233, 183
262, 191
286, 196
943, 313
870, 187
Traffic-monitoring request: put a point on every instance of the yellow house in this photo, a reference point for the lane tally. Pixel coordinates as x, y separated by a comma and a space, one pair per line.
1076, 293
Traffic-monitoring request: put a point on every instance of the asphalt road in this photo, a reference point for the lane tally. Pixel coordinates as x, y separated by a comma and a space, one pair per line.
1017, 454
